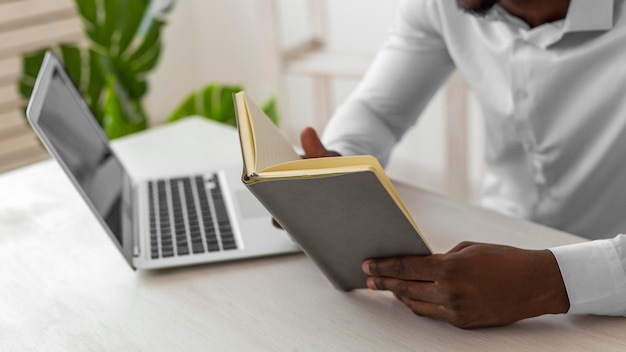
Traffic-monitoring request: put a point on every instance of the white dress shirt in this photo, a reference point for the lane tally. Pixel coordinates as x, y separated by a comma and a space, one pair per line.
554, 104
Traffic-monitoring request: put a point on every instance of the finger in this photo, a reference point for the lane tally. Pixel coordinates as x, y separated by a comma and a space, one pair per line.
426, 309
459, 247
313, 147
416, 290
276, 224
406, 268
397, 296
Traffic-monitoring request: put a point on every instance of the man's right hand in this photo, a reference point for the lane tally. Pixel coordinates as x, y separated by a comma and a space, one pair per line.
312, 146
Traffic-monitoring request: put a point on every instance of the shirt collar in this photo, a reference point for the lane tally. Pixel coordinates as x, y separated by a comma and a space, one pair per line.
582, 15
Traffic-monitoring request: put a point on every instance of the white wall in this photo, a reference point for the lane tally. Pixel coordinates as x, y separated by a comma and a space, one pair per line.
205, 41
228, 41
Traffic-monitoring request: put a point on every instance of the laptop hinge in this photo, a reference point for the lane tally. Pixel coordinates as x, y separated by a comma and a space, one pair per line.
135, 217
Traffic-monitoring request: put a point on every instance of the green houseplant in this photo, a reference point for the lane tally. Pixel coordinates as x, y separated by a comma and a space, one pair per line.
124, 46
215, 102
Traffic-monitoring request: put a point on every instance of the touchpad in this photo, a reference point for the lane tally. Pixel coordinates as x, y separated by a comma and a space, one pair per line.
249, 206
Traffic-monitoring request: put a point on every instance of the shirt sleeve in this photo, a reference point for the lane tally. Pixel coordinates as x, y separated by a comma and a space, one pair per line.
594, 276
405, 74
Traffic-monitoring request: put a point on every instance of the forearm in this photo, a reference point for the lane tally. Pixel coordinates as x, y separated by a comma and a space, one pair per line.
356, 130
404, 76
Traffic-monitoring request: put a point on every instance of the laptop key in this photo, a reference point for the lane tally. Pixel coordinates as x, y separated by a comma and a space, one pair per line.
223, 221
189, 217
182, 250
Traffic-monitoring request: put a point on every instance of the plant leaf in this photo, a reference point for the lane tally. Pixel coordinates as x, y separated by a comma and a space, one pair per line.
31, 62
95, 86
186, 108
135, 86
270, 108
121, 117
227, 105
112, 73
151, 37
115, 31
72, 59
149, 60
88, 10
134, 12
218, 103
215, 102
112, 12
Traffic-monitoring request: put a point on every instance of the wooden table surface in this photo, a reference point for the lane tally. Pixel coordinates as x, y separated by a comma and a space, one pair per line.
64, 286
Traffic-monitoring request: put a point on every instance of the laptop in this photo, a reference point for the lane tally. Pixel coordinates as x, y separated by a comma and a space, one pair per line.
159, 222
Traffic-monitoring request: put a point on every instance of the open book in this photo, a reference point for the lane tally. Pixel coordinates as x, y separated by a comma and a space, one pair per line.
340, 210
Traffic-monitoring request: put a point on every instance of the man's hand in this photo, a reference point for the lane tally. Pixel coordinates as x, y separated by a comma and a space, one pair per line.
312, 146
474, 285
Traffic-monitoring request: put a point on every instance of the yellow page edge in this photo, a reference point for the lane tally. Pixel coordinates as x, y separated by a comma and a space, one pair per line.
246, 136
382, 177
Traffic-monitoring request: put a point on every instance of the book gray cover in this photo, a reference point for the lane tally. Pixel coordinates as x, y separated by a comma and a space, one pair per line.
340, 220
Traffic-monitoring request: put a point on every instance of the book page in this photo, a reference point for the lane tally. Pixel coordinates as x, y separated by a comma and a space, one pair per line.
245, 134
270, 145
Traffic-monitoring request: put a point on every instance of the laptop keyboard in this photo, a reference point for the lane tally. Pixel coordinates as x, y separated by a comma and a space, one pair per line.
188, 216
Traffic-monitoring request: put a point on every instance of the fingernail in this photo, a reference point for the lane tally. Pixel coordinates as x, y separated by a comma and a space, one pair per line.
366, 267
371, 283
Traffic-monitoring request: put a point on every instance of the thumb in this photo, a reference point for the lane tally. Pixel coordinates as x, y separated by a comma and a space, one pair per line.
313, 147
461, 246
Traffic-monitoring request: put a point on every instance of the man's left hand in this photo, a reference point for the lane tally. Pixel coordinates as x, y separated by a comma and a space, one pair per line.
474, 285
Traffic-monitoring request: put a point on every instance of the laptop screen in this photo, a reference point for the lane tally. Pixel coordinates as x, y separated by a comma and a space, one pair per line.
71, 133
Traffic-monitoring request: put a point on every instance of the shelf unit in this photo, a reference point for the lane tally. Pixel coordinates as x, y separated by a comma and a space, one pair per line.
27, 25
311, 58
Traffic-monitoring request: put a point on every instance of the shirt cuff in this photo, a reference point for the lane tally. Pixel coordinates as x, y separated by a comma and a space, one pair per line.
594, 277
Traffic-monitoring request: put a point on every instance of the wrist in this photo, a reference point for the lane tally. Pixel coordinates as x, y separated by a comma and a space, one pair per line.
551, 294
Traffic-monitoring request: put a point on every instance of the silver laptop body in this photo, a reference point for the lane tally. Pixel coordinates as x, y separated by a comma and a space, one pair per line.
165, 221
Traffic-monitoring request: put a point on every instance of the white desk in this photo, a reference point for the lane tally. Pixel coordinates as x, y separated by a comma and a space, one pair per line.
64, 287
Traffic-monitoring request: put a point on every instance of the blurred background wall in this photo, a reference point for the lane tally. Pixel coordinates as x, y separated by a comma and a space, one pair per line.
231, 42
241, 42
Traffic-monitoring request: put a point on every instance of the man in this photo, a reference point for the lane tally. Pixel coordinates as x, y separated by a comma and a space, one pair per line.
551, 79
